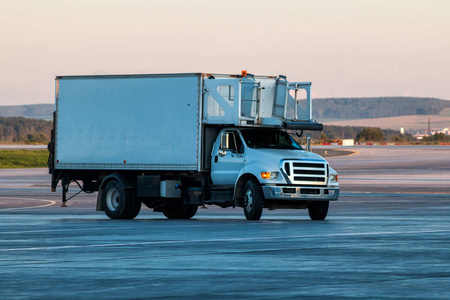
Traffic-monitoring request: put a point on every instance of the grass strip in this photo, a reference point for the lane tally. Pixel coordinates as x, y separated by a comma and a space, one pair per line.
16, 159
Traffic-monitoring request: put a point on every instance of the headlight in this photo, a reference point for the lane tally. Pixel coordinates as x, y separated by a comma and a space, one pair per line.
269, 175
334, 177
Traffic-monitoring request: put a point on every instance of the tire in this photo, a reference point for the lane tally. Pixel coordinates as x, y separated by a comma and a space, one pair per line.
179, 210
253, 200
318, 210
119, 203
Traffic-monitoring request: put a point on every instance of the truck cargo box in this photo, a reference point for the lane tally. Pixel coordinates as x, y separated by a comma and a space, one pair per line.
128, 122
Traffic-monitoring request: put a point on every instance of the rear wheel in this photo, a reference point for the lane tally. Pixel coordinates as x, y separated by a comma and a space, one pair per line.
179, 210
318, 210
253, 200
119, 203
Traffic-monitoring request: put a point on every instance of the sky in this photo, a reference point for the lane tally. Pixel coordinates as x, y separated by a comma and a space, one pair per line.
346, 48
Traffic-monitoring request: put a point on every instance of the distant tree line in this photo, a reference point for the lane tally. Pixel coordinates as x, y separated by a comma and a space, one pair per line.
436, 138
24, 130
364, 108
360, 134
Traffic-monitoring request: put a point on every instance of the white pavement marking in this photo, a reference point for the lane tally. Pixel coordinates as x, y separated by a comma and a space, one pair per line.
220, 240
28, 207
99, 228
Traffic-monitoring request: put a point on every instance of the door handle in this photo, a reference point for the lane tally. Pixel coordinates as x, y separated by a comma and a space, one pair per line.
216, 158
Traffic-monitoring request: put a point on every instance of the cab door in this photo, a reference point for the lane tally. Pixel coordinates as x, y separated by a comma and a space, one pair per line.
227, 159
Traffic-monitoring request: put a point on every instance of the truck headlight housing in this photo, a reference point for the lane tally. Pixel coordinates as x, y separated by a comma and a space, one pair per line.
334, 177
269, 175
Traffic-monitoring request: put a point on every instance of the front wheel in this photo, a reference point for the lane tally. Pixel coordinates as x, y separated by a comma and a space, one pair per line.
318, 210
119, 203
253, 200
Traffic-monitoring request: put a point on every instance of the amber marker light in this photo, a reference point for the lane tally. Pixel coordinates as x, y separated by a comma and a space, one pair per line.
244, 73
265, 175
269, 175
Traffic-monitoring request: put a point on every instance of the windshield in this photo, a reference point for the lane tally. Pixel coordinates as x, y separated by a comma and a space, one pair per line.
271, 139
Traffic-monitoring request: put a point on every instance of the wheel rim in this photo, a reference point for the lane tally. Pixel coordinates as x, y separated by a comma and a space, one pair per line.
248, 201
112, 199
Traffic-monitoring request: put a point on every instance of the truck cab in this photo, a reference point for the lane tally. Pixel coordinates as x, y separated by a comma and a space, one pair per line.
268, 168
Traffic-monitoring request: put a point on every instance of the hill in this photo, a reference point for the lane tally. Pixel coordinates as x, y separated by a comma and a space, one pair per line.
35, 111
324, 109
327, 109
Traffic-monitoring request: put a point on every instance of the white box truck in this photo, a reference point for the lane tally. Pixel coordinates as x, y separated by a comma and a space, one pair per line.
175, 142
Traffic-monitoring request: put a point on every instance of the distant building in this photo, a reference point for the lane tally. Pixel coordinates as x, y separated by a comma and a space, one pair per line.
445, 131
348, 142
420, 135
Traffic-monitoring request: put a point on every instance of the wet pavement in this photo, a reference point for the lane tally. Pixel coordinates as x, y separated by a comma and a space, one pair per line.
386, 238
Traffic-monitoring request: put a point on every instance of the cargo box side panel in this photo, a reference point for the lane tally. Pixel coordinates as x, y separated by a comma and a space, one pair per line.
127, 123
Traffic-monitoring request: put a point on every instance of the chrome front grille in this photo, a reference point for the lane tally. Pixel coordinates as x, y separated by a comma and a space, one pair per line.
305, 172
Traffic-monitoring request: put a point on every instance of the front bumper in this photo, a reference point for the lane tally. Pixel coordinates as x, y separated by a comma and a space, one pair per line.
301, 193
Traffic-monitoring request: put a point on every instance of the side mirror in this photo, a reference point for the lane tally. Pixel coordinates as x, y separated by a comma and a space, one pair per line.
225, 141
224, 144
